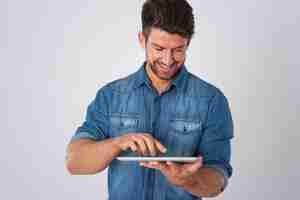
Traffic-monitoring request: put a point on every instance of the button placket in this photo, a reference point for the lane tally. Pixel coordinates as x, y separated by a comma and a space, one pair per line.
155, 128
155, 114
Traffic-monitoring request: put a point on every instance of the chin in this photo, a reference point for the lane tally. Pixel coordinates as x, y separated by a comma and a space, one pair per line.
167, 77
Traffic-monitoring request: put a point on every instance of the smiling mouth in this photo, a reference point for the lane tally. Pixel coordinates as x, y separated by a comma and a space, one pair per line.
164, 69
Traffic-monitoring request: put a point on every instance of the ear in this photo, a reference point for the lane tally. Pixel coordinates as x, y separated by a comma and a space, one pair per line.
142, 39
188, 43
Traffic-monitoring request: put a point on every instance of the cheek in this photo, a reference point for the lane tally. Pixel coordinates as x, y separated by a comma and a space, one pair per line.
152, 57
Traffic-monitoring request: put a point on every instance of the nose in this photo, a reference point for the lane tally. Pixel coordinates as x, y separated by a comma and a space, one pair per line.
168, 58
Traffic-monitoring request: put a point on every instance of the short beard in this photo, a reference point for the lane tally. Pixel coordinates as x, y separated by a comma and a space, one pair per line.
154, 70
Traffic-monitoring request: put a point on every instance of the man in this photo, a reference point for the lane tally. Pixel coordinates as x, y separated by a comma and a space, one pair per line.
162, 109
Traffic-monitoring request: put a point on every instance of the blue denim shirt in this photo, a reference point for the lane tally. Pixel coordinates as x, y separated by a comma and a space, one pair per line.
190, 118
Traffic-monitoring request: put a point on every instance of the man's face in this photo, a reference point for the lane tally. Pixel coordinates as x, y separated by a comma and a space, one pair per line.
165, 52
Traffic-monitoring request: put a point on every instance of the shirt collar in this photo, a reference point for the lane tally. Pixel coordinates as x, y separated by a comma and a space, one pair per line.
142, 77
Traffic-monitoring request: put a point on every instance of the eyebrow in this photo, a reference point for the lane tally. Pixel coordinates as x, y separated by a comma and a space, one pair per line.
157, 45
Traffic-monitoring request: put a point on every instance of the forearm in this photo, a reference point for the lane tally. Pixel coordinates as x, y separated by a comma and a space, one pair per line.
85, 156
207, 182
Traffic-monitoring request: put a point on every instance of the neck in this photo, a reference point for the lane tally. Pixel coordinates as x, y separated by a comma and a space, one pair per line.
159, 84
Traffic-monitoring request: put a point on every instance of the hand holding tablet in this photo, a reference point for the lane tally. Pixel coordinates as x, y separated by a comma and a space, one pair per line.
145, 148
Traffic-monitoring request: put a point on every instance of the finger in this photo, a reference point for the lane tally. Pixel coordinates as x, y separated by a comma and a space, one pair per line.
153, 165
157, 145
160, 147
139, 152
150, 144
173, 167
149, 165
195, 166
132, 146
160, 165
198, 162
138, 149
190, 169
170, 163
141, 144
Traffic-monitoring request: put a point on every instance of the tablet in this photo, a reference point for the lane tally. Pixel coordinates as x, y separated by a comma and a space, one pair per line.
145, 159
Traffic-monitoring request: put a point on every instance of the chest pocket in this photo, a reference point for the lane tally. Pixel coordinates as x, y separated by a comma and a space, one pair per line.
184, 136
184, 126
121, 123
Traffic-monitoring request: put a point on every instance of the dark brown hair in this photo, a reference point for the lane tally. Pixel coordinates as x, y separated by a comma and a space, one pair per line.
172, 16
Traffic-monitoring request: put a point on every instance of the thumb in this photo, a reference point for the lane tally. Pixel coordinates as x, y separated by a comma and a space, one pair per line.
193, 168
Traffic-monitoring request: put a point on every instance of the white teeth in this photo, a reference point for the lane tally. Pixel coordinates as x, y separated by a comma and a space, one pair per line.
165, 69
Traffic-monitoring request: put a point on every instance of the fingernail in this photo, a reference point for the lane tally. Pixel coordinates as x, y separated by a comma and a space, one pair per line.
164, 150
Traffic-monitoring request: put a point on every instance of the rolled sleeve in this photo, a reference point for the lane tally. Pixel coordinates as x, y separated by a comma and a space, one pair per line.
96, 122
215, 144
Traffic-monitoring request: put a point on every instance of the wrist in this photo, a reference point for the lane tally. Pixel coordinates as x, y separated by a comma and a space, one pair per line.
116, 143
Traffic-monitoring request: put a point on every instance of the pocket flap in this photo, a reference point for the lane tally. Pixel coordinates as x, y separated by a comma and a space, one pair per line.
124, 120
185, 125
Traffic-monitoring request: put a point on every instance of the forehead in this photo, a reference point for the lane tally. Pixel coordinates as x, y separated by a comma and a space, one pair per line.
165, 39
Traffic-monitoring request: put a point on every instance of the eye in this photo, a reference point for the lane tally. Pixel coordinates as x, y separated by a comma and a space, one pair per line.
179, 51
158, 49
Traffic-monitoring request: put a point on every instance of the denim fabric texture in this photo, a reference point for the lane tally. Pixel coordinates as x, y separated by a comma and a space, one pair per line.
191, 118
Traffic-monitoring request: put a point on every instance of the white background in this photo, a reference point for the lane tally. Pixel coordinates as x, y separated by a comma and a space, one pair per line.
54, 55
